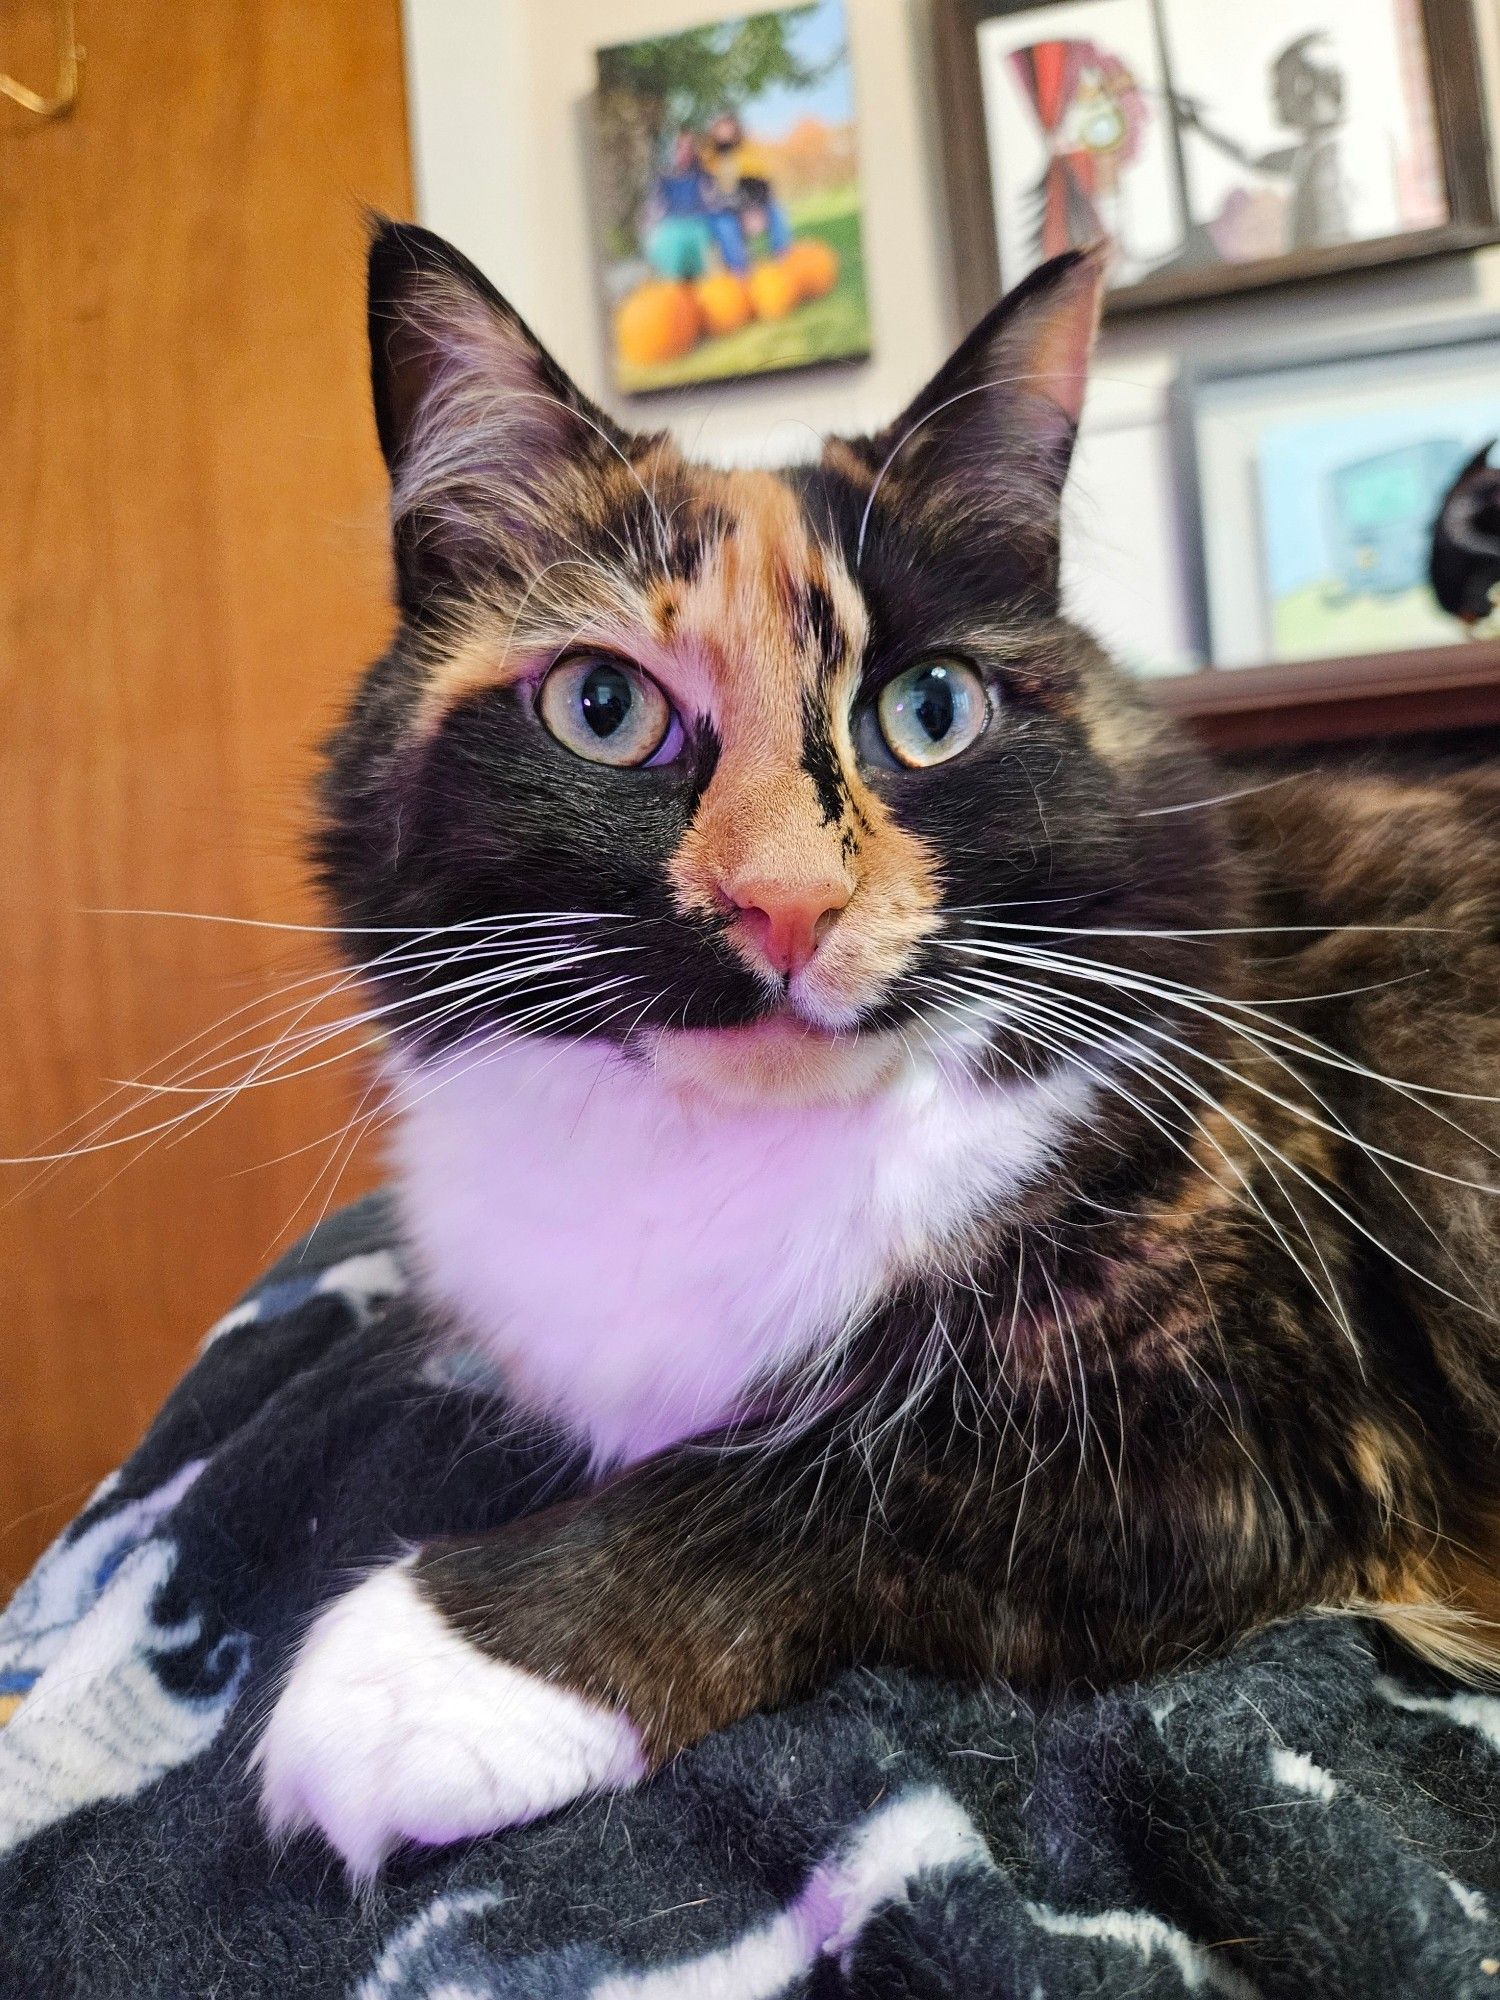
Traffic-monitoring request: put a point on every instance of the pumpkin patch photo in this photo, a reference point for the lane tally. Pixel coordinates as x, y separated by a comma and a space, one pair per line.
729, 204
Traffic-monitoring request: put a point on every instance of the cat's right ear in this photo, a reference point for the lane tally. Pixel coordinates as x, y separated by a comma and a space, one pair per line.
476, 420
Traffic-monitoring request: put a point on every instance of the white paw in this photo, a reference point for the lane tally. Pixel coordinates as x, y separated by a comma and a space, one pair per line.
392, 1727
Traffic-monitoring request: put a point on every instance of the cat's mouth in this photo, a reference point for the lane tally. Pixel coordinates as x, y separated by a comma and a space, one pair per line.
782, 1058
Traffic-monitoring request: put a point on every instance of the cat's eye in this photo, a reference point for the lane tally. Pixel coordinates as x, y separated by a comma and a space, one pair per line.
604, 709
932, 712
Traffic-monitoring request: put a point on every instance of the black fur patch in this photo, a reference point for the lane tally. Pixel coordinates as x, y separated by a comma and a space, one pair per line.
820, 758
704, 755
818, 631
493, 817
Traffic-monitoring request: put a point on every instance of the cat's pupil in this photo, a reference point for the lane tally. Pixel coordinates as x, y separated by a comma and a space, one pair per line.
605, 698
932, 703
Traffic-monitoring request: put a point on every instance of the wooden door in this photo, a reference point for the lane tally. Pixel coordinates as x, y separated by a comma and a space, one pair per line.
191, 569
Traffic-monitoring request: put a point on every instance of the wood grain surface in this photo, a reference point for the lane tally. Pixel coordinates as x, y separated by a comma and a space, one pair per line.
1425, 689
193, 567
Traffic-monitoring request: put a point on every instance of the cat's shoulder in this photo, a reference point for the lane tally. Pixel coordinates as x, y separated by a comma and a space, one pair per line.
1377, 844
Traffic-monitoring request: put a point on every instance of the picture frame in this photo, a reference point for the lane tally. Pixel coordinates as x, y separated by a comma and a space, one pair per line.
1464, 213
1310, 476
726, 200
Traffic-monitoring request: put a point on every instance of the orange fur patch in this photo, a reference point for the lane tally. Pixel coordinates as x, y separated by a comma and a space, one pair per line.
1445, 1607
761, 819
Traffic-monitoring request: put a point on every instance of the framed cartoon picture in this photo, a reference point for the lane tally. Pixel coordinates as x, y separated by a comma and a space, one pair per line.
1216, 148
727, 200
1318, 479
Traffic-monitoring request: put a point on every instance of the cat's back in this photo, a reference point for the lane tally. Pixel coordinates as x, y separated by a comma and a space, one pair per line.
1378, 847
1374, 926
1379, 894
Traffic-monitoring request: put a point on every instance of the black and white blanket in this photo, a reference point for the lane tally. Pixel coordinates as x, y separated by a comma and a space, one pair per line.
1314, 1816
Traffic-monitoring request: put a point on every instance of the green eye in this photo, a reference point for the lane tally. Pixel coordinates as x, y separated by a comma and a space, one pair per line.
932, 712
604, 709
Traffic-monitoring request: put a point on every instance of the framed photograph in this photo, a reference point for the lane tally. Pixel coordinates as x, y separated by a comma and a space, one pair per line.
1217, 148
727, 200
1318, 477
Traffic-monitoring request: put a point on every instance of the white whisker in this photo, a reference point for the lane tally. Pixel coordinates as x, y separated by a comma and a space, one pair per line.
1222, 798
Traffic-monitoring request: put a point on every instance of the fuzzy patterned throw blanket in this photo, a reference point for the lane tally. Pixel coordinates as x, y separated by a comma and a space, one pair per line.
1314, 1816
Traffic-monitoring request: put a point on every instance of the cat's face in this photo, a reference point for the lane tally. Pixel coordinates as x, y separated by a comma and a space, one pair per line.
707, 763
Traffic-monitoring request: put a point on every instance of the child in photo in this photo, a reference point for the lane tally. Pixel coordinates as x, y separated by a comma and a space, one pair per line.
681, 218
742, 172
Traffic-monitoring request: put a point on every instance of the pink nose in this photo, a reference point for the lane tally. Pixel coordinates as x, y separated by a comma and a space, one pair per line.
786, 924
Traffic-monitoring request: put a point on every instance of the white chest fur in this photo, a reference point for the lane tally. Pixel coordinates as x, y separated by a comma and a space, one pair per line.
636, 1259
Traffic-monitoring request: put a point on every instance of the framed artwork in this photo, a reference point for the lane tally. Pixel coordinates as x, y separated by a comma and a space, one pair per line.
727, 201
1318, 477
1217, 148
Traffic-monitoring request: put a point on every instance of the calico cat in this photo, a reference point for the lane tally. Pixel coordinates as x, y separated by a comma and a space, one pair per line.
991, 1202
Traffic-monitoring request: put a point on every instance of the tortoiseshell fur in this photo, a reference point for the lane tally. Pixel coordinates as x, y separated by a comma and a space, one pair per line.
1219, 1362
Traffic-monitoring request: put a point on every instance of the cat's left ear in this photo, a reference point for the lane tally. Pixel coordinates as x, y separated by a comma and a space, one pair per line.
1003, 411
476, 420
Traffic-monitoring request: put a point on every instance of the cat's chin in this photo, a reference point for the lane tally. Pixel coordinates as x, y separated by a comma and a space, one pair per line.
777, 1061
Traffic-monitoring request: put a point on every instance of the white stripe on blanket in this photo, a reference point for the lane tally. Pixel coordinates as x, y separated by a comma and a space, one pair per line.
1149, 1937
1479, 1712
923, 1831
877, 1865
419, 1936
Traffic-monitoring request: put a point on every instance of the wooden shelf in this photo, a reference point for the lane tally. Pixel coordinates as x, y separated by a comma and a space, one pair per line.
1328, 701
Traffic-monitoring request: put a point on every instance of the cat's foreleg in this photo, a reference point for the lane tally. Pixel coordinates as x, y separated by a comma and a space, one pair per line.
481, 1684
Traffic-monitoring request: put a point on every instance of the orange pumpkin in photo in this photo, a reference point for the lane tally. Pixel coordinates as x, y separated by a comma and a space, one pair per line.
774, 289
724, 301
814, 264
659, 321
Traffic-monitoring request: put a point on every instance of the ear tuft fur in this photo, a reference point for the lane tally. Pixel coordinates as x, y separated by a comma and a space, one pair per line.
994, 428
473, 414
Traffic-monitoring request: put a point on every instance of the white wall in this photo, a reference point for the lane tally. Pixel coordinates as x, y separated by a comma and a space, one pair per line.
499, 95
468, 97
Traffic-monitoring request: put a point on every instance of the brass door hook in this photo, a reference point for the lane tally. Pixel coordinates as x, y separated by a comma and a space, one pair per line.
62, 100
